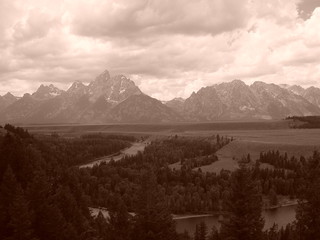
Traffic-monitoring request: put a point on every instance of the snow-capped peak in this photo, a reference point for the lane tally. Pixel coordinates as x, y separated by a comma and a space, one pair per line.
46, 92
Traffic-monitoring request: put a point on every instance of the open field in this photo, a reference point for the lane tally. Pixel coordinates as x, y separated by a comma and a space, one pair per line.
295, 142
250, 137
175, 128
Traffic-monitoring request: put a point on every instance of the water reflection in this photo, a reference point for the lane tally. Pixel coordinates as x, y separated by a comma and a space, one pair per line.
281, 216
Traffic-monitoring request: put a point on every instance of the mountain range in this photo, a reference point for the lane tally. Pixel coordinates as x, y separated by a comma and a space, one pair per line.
113, 99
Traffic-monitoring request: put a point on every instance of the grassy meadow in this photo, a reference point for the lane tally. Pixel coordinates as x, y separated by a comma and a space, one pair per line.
250, 137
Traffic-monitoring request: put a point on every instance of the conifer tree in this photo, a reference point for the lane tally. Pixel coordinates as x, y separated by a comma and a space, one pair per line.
308, 211
214, 234
101, 226
20, 217
203, 230
244, 208
119, 223
273, 198
7, 193
272, 233
196, 235
153, 220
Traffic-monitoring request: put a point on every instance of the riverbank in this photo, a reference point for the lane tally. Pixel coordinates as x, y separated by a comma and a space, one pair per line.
283, 201
281, 216
282, 205
100, 159
129, 151
179, 217
95, 211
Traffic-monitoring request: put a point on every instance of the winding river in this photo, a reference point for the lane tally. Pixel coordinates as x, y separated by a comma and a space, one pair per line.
281, 216
132, 150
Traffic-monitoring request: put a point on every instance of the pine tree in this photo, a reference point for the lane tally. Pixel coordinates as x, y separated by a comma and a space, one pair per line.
184, 236
101, 226
20, 217
196, 235
272, 233
7, 195
153, 220
273, 198
214, 234
244, 208
203, 230
119, 223
308, 211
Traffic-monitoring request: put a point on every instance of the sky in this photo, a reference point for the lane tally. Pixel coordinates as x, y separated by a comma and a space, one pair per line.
168, 48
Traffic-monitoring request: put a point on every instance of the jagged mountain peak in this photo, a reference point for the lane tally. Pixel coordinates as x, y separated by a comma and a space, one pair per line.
266, 86
26, 95
233, 83
312, 88
312, 94
47, 92
114, 89
178, 99
101, 78
77, 89
120, 77
116, 98
9, 97
296, 89
8, 94
50, 86
238, 82
284, 85
76, 86
7, 100
258, 83
193, 93
297, 86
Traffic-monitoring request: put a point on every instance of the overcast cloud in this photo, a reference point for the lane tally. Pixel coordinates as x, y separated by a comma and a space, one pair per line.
169, 48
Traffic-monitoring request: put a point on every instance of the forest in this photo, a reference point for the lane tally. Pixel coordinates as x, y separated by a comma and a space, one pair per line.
305, 121
44, 195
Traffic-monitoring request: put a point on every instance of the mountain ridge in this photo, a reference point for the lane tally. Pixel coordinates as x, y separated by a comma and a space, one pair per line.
112, 99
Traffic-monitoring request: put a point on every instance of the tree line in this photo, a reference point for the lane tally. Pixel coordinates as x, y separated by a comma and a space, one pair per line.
187, 190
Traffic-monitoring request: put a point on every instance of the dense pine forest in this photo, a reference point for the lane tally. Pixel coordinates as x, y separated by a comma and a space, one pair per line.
44, 195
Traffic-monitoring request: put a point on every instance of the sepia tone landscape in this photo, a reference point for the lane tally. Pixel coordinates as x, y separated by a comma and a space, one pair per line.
160, 120
116, 99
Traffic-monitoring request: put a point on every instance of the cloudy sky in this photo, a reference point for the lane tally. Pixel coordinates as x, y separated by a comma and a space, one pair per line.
169, 48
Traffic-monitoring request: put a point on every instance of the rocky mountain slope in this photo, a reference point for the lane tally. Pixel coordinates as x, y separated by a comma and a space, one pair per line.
112, 99
237, 101
106, 99
7, 100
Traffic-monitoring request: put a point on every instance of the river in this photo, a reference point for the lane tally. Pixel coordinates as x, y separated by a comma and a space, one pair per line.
281, 216
130, 151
